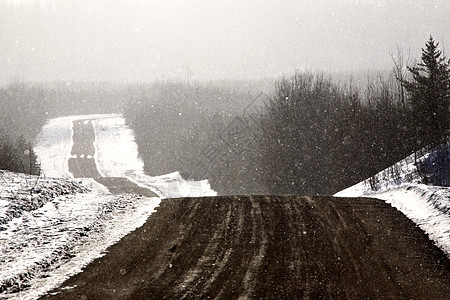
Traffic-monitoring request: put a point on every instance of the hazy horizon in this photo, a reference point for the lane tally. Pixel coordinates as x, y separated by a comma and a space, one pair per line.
135, 40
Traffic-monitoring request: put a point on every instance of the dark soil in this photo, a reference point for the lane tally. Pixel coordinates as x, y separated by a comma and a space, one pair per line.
268, 247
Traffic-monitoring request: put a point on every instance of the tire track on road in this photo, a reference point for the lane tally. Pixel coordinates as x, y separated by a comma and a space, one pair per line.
259, 238
272, 247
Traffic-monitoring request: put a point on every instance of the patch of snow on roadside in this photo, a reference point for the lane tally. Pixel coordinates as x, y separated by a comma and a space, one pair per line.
416, 202
400, 186
115, 218
53, 146
117, 156
116, 151
43, 246
173, 185
21, 193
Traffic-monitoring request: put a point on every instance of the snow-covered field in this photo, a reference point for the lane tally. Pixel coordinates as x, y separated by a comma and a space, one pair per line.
54, 225
400, 185
46, 243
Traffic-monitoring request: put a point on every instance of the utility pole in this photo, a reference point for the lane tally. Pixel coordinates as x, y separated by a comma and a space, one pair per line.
187, 73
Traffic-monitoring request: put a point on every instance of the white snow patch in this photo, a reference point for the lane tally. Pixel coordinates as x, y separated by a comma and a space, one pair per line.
43, 247
173, 185
116, 150
53, 146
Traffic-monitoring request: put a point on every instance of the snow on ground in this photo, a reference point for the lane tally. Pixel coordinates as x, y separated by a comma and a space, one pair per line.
45, 244
117, 156
53, 146
400, 185
22, 193
54, 225
116, 150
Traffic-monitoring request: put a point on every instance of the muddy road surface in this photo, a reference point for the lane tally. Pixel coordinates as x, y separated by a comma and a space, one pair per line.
268, 247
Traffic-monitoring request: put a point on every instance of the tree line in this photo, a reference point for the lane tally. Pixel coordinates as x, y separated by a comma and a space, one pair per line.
310, 136
25, 107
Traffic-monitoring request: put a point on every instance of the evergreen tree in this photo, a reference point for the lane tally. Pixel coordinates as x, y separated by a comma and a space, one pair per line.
25, 158
17, 157
429, 94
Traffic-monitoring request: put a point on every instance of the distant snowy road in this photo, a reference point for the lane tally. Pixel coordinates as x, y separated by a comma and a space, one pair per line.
114, 151
83, 165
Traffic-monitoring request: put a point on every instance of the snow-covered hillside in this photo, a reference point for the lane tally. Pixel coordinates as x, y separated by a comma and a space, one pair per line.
400, 185
54, 225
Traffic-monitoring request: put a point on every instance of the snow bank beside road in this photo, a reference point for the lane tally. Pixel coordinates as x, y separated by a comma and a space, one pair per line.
117, 156
174, 186
399, 185
116, 151
421, 204
42, 245
21, 193
53, 146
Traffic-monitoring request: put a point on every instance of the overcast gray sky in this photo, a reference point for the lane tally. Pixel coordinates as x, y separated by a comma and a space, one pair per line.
144, 40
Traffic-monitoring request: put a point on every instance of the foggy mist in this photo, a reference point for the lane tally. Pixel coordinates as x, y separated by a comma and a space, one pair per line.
157, 40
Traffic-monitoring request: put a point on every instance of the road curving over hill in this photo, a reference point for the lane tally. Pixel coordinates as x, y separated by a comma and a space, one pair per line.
268, 247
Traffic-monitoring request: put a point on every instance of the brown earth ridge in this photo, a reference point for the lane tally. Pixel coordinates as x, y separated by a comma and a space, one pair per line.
268, 247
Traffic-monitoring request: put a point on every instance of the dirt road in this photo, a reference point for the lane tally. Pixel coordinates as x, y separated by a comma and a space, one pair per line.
82, 164
268, 247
